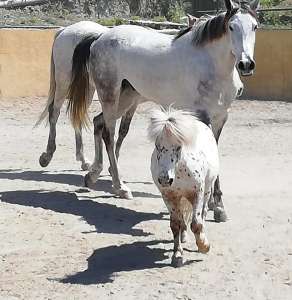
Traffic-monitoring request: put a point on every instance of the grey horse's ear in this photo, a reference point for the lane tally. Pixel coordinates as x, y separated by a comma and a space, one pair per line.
229, 5
191, 20
254, 5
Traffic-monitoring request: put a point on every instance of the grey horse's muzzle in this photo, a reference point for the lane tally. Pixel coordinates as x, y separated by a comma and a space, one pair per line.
246, 66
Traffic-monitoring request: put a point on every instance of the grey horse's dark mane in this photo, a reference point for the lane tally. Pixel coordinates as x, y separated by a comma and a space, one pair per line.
210, 28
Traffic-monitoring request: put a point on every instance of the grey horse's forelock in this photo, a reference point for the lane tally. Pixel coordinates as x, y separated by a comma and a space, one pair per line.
179, 125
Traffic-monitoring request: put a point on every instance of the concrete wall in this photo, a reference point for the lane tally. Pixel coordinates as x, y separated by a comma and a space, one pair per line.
272, 79
25, 63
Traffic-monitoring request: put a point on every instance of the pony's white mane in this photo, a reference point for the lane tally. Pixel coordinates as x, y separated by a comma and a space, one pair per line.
178, 125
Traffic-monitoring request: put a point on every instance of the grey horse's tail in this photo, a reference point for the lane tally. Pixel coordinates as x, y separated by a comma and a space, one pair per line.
51, 96
79, 86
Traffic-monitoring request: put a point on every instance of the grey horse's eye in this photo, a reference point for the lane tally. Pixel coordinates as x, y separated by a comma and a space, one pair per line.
230, 28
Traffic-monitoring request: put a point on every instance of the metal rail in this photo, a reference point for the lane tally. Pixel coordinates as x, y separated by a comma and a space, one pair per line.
259, 10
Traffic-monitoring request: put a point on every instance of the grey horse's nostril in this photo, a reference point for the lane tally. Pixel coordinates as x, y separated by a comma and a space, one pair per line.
241, 65
170, 181
252, 65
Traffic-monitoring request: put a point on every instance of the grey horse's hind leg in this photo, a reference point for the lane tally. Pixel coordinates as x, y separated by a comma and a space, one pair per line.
97, 166
46, 157
79, 151
124, 128
85, 164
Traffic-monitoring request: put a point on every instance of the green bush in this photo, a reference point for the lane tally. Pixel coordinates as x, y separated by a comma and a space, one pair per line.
111, 21
176, 13
159, 19
270, 3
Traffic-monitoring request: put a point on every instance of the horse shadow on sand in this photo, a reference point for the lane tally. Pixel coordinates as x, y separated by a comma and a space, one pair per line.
102, 185
107, 218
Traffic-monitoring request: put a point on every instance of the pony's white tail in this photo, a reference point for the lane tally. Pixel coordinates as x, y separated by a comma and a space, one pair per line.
52, 90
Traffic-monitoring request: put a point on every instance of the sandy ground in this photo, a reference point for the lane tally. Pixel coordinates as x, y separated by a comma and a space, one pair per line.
61, 242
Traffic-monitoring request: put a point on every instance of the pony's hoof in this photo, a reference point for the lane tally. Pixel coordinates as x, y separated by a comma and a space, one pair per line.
85, 166
220, 215
45, 159
124, 192
177, 261
184, 236
88, 182
203, 247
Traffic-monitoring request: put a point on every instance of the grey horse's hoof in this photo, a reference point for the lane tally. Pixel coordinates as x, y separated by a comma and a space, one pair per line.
45, 159
88, 181
124, 192
110, 171
220, 215
211, 205
85, 166
177, 262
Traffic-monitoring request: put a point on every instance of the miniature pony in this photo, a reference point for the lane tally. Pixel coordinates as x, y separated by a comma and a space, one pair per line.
184, 167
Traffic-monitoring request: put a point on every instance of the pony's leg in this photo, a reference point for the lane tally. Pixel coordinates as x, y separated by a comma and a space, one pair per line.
85, 164
183, 235
175, 225
197, 224
97, 166
54, 112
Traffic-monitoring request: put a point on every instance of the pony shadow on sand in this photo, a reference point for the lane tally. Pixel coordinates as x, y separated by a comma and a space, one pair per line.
106, 218
102, 184
105, 262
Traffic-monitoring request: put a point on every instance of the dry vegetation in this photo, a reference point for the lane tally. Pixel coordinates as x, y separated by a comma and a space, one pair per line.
107, 12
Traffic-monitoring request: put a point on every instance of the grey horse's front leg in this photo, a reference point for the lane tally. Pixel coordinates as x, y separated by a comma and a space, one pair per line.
219, 210
217, 205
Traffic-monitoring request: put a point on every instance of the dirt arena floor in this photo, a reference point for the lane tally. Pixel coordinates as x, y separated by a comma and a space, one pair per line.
59, 241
